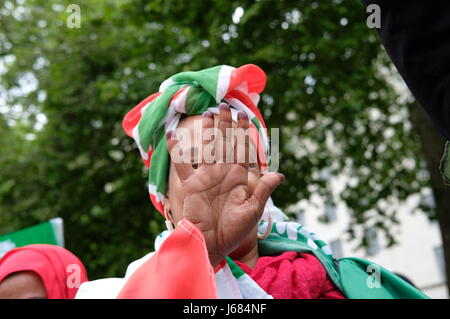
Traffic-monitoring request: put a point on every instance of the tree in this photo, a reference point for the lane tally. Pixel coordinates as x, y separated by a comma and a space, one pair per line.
432, 145
326, 92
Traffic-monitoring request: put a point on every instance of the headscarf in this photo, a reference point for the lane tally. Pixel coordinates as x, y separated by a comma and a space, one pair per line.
53, 264
193, 93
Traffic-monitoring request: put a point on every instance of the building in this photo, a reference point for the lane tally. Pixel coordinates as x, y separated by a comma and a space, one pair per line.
418, 255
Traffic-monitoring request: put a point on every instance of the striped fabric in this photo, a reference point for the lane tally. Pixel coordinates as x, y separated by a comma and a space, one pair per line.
193, 93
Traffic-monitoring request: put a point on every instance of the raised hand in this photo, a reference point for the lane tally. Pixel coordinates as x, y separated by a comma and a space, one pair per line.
217, 199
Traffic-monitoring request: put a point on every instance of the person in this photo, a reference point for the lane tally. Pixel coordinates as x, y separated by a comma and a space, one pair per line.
225, 237
40, 272
412, 34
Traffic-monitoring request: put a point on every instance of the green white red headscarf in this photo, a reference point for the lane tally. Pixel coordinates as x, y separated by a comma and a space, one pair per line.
193, 93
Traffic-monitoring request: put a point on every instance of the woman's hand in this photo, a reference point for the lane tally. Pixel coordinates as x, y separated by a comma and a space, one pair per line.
216, 195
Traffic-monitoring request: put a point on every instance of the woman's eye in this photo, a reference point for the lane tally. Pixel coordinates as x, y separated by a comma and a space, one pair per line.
253, 165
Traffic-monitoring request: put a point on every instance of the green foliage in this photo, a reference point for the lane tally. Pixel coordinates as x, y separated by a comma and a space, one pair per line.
337, 115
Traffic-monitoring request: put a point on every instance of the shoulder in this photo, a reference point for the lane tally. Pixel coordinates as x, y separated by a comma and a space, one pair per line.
136, 264
109, 288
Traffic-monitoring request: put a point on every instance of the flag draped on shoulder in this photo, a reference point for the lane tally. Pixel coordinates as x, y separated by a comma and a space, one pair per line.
179, 269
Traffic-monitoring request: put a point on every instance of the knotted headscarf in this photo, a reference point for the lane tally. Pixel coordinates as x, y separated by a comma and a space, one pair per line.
193, 93
56, 266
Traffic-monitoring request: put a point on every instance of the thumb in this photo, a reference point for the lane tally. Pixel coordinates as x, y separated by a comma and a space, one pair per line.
264, 188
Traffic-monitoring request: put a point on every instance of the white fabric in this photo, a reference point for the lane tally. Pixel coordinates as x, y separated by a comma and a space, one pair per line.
227, 286
100, 289
109, 288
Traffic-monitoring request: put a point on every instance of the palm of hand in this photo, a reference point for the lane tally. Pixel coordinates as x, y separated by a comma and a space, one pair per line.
217, 202
216, 195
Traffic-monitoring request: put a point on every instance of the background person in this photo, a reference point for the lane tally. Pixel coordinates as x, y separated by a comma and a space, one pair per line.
40, 272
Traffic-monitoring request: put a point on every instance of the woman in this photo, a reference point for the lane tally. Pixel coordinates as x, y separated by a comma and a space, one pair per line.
218, 199
40, 272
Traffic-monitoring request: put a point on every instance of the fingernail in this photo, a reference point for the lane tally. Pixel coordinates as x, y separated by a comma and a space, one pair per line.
224, 107
169, 134
208, 114
242, 116
281, 176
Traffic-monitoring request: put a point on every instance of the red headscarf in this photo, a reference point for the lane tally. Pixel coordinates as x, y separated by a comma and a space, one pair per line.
60, 270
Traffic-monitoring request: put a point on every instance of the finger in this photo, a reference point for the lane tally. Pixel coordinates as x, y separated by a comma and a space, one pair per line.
183, 168
241, 151
207, 151
223, 141
264, 188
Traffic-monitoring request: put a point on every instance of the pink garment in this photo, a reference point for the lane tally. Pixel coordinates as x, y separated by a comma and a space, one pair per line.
292, 276
55, 265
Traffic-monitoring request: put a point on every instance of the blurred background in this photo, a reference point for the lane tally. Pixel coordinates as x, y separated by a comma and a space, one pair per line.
359, 155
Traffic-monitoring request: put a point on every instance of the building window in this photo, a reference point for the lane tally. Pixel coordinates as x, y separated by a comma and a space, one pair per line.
373, 245
330, 213
439, 252
336, 248
301, 218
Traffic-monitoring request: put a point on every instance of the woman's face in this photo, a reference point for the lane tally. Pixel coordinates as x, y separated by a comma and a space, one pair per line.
22, 285
193, 125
